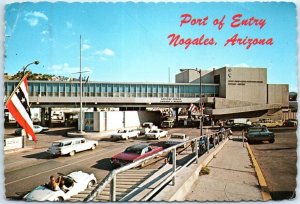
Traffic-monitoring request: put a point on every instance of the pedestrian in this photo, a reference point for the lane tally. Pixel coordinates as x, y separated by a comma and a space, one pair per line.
193, 145
169, 157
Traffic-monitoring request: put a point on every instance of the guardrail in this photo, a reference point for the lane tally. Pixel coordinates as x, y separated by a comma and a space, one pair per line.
111, 177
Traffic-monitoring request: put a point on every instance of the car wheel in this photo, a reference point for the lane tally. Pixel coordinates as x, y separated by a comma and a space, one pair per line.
93, 147
272, 141
91, 183
59, 199
72, 153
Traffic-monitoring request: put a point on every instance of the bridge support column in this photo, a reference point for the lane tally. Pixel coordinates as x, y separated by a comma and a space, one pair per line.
95, 109
49, 117
176, 114
43, 111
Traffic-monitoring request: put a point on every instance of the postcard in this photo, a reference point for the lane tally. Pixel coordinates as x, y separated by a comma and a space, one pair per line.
150, 101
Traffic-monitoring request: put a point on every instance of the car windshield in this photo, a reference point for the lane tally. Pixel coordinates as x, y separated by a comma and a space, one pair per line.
122, 131
133, 150
147, 125
153, 131
177, 136
257, 130
57, 144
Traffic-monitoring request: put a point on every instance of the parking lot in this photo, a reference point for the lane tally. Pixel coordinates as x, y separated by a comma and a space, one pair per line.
278, 162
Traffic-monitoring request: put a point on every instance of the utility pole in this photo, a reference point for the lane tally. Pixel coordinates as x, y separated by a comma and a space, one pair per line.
80, 78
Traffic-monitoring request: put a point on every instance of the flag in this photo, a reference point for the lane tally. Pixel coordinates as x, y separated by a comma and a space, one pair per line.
18, 105
193, 108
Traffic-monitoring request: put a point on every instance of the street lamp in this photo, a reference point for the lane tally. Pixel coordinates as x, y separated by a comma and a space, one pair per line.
200, 98
24, 68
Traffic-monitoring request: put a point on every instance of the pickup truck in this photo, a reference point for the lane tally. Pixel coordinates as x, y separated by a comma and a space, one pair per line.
71, 146
176, 138
125, 134
156, 134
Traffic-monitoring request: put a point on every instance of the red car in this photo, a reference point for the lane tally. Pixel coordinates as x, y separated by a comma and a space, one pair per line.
134, 153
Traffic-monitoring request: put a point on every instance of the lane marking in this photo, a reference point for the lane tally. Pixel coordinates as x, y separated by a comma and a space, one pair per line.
78, 161
260, 177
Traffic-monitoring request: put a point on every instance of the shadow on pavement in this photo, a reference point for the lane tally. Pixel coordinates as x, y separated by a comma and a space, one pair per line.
62, 132
283, 195
40, 155
103, 164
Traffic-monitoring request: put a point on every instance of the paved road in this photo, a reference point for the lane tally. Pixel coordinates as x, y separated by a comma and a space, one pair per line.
28, 169
278, 162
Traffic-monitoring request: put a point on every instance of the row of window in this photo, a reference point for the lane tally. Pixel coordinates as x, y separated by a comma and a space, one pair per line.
114, 90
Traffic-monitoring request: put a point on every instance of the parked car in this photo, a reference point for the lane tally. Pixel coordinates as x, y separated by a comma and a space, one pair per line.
77, 181
256, 134
266, 122
290, 123
156, 134
167, 124
146, 127
177, 138
239, 126
134, 153
36, 129
71, 146
125, 134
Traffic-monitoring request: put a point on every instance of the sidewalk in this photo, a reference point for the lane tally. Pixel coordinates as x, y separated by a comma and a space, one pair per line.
231, 177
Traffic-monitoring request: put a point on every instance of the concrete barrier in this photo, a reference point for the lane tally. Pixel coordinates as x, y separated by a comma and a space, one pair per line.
185, 179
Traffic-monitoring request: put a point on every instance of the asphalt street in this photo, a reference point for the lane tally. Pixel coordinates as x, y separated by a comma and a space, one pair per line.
27, 169
278, 162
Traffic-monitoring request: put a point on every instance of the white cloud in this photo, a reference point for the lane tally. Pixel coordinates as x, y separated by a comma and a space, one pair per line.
37, 14
32, 21
45, 32
66, 69
69, 25
106, 52
33, 17
85, 47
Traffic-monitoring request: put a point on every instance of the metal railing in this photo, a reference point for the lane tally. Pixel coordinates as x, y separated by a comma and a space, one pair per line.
111, 177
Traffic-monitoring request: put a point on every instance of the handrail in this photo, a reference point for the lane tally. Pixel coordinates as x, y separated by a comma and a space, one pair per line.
109, 178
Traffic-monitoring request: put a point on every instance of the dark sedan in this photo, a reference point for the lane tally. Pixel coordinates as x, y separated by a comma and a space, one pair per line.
239, 126
258, 134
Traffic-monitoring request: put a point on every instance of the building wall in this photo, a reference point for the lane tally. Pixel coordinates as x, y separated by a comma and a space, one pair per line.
246, 84
278, 94
223, 81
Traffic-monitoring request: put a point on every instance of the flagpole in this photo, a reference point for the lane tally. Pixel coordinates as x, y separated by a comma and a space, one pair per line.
16, 87
80, 77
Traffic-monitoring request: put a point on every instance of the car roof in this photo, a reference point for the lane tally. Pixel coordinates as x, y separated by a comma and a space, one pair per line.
70, 139
139, 146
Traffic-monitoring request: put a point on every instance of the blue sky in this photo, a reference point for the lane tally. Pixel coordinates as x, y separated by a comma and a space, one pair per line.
129, 41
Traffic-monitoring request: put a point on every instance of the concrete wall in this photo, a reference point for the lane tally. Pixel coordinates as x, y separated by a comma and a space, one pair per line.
186, 76
278, 94
223, 81
114, 120
132, 119
247, 84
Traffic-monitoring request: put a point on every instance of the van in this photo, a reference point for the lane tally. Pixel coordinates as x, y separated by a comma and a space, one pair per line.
240, 120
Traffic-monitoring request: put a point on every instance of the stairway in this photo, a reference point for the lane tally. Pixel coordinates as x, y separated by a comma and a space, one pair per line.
125, 183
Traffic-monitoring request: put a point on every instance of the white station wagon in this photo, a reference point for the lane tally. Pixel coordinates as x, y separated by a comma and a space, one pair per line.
71, 146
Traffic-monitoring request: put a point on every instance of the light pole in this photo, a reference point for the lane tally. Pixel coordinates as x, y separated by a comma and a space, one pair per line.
200, 98
24, 68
